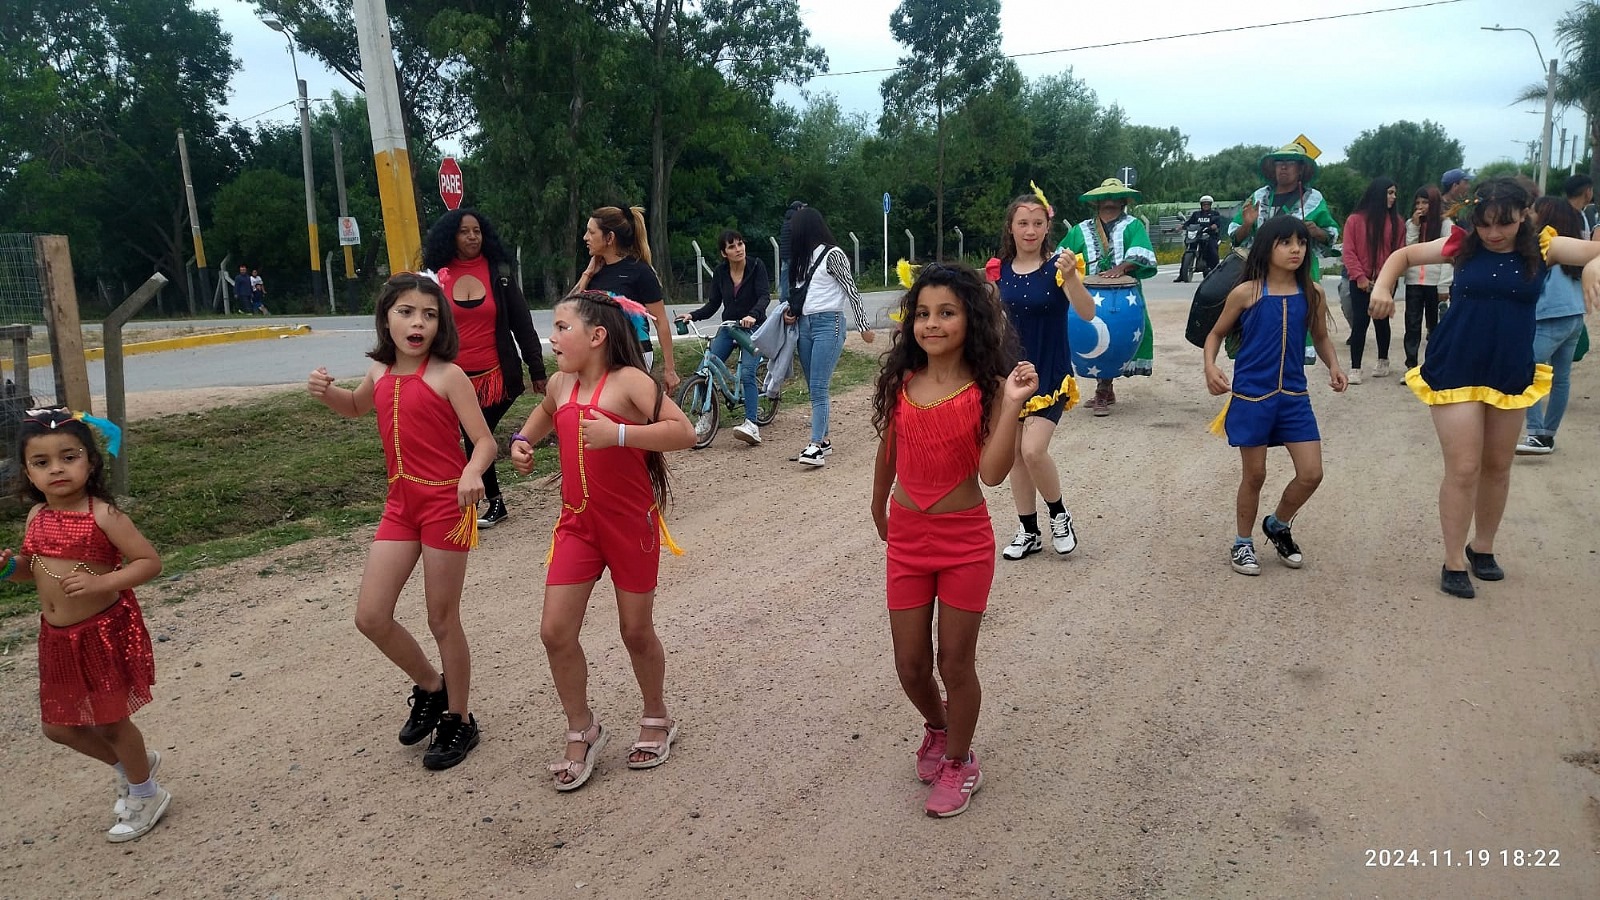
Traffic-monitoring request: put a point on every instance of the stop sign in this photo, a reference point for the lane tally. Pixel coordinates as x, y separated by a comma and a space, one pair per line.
450, 187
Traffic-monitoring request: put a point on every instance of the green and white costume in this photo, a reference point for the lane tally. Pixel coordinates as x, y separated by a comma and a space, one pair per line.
1124, 240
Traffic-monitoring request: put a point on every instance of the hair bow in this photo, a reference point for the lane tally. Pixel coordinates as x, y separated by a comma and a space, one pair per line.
52, 417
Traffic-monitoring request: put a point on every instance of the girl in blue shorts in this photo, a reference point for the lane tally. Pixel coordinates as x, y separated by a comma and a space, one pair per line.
1273, 306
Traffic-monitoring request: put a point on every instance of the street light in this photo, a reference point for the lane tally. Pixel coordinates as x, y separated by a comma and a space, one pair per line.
304, 106
1549, 103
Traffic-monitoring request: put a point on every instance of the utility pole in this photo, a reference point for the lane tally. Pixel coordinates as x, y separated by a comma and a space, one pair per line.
344, 210
1549, 110
396, 191
194, 225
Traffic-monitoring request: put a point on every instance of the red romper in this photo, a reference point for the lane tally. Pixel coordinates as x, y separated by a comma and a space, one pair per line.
422, 448
609, 517
947, 555
100, 670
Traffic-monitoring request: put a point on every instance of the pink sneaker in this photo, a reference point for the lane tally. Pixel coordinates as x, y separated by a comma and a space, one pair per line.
954, 786
934, 740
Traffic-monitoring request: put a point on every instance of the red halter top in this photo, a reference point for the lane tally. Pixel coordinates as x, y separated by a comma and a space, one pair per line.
62, 534
937, 446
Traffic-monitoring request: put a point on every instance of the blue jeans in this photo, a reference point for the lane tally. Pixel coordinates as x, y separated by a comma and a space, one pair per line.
1554, 342
821, 344
721, 346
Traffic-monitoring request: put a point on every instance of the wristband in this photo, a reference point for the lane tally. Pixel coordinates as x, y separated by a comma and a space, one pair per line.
8, 569
622, 435
519, 437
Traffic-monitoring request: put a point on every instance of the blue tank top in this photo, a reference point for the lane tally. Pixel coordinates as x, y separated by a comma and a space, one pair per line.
1271, 347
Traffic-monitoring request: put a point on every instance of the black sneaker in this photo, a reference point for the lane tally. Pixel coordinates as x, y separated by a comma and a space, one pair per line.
1243, 559
1288, 551
425, 709
452, 741
1537, 445
1483, 566
494, 515
1456, 584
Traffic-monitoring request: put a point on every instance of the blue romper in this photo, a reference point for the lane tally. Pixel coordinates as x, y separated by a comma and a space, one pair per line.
1270, 406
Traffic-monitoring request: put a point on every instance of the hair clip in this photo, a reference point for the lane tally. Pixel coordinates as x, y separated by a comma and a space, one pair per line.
55, 416
1049, 211
432, 275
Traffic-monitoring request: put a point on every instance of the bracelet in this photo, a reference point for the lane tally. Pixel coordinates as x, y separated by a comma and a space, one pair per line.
518, 437
622, 435
9, 568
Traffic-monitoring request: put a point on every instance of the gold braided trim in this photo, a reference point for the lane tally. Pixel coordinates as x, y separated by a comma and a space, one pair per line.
945, 399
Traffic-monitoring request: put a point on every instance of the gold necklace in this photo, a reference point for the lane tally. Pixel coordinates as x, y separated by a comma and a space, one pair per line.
37, 564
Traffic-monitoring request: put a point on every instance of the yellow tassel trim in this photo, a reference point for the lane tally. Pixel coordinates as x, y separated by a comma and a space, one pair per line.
550, 553
466, 531
1219, 424
906, 272
1546, 235
1078, 263
666, 536
1069, 390
1543, 376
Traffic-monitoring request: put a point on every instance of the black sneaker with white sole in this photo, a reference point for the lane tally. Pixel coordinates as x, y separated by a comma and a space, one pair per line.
1283, 541
814, 455
452, 741
493, 514
426, 707
1537, 445
1243, 559
1026, 543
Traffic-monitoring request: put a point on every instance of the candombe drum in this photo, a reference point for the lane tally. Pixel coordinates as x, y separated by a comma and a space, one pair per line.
1102, 346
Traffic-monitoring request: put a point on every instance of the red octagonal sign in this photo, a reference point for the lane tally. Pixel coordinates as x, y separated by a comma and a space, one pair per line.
451, 189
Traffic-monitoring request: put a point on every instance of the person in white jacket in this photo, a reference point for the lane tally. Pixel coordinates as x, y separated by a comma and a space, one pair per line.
1427, 287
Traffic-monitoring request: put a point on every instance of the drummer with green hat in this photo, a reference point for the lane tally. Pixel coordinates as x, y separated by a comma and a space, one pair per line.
1113, 244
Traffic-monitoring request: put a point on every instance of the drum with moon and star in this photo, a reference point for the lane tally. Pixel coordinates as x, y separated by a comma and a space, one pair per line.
1101, 347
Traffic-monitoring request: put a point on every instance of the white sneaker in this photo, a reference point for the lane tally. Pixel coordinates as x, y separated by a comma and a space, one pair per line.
749, 432
812, 455
1381, 370
1026, 543
1062, 537
154, 758
1355, 376
139, 815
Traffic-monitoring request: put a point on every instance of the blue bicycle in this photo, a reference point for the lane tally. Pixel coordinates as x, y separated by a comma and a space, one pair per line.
697, 395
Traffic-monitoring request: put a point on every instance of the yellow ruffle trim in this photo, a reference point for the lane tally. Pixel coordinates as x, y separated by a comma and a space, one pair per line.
1219, 425
1546, 235
1080, 265
1542, 378
1069, 390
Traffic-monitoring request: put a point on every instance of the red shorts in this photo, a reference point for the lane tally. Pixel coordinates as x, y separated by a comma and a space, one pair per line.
98, 671
945, 555
421, 512
586, 545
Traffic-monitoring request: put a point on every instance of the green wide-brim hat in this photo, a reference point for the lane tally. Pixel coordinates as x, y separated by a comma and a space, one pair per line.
1287, 153
1110, 189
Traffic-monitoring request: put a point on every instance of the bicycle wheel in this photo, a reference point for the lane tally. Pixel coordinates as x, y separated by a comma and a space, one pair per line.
697, 397
766, 407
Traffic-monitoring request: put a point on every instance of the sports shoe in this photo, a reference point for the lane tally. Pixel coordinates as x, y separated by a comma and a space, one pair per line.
425, 709
1381, 370
1354, 377
154, 758
749, 432
1278, 534
494, 514
1243, 558
1483, 566
1062, 538
931, 753
954, 783
1537, 445
1026, 543
1111, 394
1456, 584
452, 741
138, 816
814, 455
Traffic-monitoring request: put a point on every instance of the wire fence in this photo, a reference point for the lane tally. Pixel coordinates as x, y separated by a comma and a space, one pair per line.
21, 291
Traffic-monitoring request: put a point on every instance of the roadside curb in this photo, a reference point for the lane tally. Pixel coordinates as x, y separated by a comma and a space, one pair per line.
180, 343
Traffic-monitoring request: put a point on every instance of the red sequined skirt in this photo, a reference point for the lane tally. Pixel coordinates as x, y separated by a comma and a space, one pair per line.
98, 671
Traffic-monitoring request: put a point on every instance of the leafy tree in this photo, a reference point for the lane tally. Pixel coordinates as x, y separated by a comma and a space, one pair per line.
1412, 154
1342, 186
955, 54
1072, 143
1230, 174
1578, 83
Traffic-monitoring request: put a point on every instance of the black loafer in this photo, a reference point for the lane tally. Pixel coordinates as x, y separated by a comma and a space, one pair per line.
1456, 584
1484, 568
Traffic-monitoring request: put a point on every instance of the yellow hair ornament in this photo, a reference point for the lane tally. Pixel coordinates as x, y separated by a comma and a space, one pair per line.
1049, 211
906, 272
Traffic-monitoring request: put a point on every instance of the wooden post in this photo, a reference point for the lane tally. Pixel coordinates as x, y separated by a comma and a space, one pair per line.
61, 316
116, 390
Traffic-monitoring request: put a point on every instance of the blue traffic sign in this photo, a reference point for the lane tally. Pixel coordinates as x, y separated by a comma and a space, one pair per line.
886, 203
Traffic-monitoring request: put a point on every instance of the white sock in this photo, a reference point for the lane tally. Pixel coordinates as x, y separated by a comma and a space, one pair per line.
144, 790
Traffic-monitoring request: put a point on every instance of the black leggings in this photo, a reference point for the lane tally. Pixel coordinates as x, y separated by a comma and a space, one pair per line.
492, 415
1422, 301
1359, 318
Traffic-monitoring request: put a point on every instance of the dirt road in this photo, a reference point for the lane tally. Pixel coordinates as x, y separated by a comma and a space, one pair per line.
1154, 725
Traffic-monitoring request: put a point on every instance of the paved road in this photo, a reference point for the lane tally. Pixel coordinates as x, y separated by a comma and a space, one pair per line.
341, 342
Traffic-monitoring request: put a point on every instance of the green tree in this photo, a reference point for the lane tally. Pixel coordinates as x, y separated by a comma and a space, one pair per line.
1578, 82
1412, 154
1230, 174
955, 54
1073, 140
1342, 186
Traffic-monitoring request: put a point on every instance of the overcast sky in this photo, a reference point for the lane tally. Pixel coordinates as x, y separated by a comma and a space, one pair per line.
1329, 80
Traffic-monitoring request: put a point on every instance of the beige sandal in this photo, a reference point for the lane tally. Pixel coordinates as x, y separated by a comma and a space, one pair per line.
579, 770
660, 750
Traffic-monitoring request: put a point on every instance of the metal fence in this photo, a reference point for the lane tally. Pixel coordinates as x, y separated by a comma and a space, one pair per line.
21, 291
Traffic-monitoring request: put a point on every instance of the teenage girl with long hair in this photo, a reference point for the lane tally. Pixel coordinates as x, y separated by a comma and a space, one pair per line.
1427, 287
1371, 233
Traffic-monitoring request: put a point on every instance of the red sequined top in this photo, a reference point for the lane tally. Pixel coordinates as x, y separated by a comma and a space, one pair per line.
61, 534
937, 446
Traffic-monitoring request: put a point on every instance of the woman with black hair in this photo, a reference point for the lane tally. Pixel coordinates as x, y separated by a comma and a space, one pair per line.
1372, 232
493, 320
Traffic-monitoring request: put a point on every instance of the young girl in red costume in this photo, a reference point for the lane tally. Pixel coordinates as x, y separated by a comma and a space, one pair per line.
613, 422
947, 409
423, 400
95, 661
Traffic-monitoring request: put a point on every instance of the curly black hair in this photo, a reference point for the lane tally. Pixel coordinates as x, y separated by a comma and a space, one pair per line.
991, 348
439, 244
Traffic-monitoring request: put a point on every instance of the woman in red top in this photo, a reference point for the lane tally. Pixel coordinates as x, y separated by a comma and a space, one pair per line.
492, 319
1372, 232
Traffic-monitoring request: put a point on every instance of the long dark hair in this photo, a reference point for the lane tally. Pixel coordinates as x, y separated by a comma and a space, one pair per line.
1496, 202
1380, 218
990, 349
807, 232
1433, 222
1557, 213
439, 244
1008, 244
1258, 265
58, 420
600, 309
446, 341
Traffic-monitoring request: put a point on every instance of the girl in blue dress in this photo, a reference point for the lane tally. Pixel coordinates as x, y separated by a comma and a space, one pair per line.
1479, 375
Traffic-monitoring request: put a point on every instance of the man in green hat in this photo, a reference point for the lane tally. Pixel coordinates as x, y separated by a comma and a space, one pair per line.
1113, 244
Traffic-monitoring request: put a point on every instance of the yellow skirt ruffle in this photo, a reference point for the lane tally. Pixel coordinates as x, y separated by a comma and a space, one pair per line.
1068, 389
1542, 377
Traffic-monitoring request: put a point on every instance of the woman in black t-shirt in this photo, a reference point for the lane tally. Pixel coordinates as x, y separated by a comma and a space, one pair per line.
619, 263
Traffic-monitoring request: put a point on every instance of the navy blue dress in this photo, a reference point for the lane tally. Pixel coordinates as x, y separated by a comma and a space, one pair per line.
1038, 310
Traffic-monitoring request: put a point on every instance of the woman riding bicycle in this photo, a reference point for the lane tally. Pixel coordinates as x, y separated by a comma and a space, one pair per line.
740, 288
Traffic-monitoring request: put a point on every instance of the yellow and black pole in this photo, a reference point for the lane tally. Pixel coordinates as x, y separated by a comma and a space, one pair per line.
395, 188
194, 226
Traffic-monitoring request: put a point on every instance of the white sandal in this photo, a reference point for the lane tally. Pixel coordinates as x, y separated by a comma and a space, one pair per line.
660, 749
579, 770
